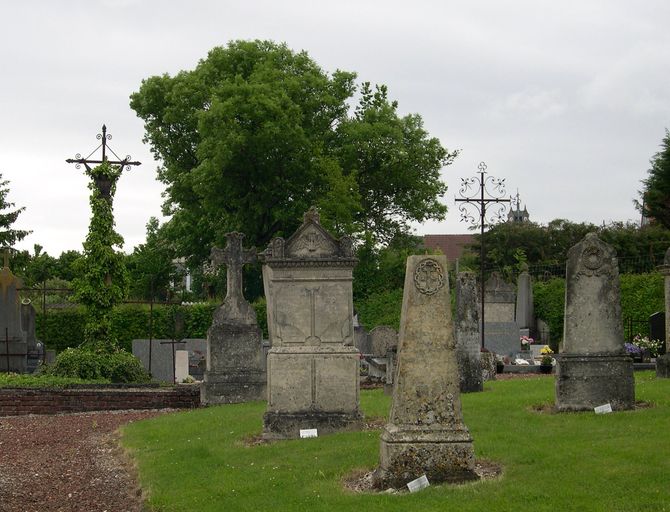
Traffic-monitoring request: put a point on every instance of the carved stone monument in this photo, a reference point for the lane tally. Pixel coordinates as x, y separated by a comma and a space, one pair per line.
466, 329
593, 369
234, 346
313, 375
663, 362
425, 433
13, 344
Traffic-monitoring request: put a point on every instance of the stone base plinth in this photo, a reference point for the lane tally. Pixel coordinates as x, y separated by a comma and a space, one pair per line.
587, 381
316, 385
233, 387
406, 454
469, 372
279, 425
663, 366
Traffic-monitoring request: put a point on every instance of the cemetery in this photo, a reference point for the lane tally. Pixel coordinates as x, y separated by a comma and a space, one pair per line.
326, 358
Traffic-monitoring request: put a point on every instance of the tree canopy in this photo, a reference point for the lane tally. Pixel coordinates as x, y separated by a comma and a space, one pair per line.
8, 235
655, 194
257, 133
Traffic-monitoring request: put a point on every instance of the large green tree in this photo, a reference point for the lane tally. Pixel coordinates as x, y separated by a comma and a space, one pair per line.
655, 194
8, 215
257, 133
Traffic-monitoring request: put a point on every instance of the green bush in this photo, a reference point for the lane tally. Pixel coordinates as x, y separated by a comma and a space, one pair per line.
119, 366
382, 308
61, 329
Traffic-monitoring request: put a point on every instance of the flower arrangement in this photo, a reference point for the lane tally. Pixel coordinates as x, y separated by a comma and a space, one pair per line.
546, 350
632, 350
526, 342
644, 343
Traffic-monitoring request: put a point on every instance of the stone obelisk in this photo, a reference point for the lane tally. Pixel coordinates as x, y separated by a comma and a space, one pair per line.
425, 433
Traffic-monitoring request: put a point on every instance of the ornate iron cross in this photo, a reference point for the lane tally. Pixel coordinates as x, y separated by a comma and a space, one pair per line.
234, 257
486, 196
104, 183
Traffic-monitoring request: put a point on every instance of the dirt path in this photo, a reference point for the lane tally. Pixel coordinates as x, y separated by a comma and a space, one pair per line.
69, 462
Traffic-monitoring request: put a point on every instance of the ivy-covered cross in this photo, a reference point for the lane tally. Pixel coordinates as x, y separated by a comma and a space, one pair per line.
103, 181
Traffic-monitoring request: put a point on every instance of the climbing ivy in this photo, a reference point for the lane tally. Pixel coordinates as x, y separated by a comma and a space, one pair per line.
103, 278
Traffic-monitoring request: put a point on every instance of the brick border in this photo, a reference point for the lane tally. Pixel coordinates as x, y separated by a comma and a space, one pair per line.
22, 401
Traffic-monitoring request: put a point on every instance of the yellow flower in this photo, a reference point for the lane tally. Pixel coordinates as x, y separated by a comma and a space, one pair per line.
546, 350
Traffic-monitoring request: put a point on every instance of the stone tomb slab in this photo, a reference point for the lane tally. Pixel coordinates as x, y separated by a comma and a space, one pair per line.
502, 337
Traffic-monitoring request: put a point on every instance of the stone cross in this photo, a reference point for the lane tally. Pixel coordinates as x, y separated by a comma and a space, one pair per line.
234, 256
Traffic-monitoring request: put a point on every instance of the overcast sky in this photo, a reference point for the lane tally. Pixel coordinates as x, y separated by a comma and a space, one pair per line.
566, 100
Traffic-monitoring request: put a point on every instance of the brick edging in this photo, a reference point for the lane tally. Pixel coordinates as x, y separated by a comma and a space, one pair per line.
22, 401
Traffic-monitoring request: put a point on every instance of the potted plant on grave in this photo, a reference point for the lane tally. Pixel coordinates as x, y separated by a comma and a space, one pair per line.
526, 342
546, 364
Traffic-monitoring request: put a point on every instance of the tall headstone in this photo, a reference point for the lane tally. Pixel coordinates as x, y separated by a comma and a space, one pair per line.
13, 344
234, 346
593, 369
466, 330
663, 362
524, 315
313, 375
500, 329
425, 433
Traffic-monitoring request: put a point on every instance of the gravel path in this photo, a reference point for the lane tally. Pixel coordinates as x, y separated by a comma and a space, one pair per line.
69, 463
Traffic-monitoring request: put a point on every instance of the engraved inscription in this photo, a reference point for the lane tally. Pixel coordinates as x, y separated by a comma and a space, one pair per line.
428, 277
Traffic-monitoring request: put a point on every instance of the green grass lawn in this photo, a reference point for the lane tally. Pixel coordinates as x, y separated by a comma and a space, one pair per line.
199, 460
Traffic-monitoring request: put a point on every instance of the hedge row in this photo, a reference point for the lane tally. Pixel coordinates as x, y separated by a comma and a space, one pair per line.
61, 329
641, 295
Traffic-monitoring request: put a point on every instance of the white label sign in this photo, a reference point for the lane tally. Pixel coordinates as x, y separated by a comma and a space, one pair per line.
308, 432
603, 409
418, 484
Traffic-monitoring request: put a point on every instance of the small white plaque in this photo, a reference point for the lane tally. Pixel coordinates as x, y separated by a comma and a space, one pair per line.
603, 409
418, 484
308, 432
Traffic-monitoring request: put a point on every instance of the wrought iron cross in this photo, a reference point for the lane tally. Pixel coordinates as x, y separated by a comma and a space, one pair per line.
104, 183
469, 197
234, 257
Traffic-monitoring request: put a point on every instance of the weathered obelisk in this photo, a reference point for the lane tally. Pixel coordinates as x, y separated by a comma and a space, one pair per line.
425, 433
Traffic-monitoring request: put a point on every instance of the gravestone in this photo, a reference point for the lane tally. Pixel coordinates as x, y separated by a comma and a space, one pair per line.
234, 346
161, 368
500, 330
657, 326
382, 340
594, 368
466, 330
524, 315
181, 372
663, 362
13, 344
313, 367
425, 434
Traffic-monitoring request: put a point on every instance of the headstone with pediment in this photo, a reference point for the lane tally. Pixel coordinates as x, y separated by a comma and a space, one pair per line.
593, 368
234, 346
313, 367
13, 343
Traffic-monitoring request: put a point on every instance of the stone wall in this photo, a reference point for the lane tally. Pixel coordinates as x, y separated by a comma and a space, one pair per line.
18, 402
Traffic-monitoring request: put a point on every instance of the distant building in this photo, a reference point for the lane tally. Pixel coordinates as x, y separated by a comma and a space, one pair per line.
452, 246
517, 214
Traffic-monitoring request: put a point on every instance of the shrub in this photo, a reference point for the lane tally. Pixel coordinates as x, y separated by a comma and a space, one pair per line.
118, 366
382, 308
